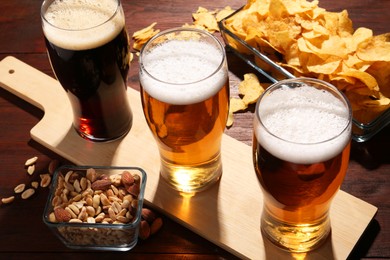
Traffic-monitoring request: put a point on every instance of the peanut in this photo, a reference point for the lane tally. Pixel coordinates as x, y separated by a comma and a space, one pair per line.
91, 175
76, 185
31, 169
83, 183
75, 220
67, 176
8, 200
45, 180
96, 201
31, 161
27, 193
35, 184
19, 188
74, 208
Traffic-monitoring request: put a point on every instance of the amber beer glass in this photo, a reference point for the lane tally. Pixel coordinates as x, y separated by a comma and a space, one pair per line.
87, 44
301, 145
185, 98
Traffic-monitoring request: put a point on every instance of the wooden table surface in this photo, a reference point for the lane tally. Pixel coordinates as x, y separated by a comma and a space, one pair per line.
22, 232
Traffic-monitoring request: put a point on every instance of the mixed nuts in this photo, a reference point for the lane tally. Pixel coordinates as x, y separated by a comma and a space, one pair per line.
92, 198
87, 196
95, 198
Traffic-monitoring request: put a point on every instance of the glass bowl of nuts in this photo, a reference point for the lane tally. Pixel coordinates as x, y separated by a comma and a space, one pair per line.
96, 207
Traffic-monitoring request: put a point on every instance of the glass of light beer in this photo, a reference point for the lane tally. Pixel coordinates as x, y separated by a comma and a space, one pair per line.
301, 146
87, 45
185, 97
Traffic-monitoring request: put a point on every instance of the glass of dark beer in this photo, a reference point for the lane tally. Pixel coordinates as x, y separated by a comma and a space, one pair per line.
301, 146
87, 45
185, 97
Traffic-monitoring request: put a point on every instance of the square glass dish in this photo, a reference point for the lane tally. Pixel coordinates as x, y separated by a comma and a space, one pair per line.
361, 132
96, 207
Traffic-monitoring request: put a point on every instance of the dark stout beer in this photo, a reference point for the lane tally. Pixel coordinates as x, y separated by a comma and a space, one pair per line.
91, 61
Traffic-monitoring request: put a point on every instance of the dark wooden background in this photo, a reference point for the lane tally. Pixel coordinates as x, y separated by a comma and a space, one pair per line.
22, 232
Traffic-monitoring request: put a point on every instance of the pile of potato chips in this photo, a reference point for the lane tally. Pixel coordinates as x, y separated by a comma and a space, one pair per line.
310, 41
202, 19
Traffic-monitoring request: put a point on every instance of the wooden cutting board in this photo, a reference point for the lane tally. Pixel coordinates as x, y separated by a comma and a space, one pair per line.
227, 214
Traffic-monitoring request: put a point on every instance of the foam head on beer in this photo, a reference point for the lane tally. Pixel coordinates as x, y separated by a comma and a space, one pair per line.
183, 72
302, 124
76, 26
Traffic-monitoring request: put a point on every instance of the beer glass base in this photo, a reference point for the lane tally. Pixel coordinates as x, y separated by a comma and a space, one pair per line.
96, 139
298, 238
192, 178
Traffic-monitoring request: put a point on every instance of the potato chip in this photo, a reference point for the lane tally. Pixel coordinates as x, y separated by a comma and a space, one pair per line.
323, 66
230, 120
131, 57
250, 89
195, 26
224, 13
376, 48
142, 36
235, 105
317, 43
364, 77
381, 71
206, 19
359, 36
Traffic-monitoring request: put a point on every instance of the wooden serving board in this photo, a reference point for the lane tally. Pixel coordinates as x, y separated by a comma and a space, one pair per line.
228, 214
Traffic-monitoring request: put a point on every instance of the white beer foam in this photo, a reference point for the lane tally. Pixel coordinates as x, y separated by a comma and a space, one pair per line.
179, 72
82, 24
309, 119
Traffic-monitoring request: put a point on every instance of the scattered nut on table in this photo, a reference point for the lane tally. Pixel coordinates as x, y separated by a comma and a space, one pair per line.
93, 198
31, 161
144, 230
156, 226
27, 193
8, 200
35, 184
53, 165
20, 188
150, 223
45, 180
31, 169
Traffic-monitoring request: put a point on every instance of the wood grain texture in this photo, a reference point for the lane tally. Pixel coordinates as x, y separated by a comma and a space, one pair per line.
23, 233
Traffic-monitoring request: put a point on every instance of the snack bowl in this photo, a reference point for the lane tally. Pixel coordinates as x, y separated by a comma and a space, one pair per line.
96, 207
362, 131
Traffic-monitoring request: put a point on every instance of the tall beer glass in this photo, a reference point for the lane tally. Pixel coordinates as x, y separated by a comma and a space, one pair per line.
87, 44
185, 98
301, 145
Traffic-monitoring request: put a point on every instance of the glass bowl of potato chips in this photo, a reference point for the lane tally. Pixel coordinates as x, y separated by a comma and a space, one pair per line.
286, 39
